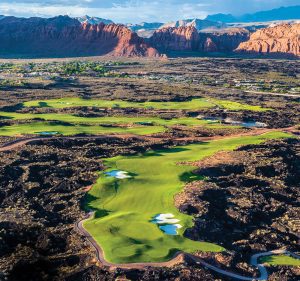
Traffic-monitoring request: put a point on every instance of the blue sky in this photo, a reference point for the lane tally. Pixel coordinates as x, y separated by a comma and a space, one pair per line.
137, 10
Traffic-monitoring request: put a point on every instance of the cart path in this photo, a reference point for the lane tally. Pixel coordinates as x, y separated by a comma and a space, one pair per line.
12, 145
179, 256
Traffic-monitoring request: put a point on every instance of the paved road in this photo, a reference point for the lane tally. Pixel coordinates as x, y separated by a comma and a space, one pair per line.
23, 141
274, 94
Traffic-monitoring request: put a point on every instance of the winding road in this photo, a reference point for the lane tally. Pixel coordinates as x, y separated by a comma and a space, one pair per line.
23, 141
179, 256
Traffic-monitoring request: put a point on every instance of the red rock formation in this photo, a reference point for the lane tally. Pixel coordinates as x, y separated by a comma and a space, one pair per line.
278, 40
176, 39
188, 39
225, 40
63, 36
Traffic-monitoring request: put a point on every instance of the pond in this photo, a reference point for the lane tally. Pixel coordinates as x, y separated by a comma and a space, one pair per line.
47, 133
246, 124
167, 223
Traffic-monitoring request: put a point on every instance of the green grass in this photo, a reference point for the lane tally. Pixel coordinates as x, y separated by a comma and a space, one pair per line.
187, 121
73, 129
124, 208
280, 260
194, 104
91, 125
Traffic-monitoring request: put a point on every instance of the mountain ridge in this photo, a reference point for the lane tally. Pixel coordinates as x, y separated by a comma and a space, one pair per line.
65, 36
282, 13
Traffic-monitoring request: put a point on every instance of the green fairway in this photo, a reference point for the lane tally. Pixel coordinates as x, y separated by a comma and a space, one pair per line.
194, 104
280, 260
124, 207
187, 121
73, 129
92, 125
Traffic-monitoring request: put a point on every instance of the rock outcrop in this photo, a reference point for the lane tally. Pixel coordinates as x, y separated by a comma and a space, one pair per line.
280, 40
176, 39
225, 40
64, 36
188, 39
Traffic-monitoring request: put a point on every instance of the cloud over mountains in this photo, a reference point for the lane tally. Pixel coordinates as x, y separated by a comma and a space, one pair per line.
137, 10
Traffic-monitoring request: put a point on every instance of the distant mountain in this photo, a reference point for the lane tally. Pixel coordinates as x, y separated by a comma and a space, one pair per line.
197, 23
63, 36
145, 29
226, 18
93, 20
283, 13
144, 26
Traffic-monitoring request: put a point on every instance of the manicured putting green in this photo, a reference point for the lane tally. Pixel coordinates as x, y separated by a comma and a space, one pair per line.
193, 104
124, 208
280, 260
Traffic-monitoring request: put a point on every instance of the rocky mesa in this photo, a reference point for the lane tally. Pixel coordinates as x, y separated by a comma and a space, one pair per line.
187, 38
64, 36
280, 40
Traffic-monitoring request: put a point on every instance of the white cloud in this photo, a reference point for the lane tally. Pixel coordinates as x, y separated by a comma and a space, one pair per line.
136, 10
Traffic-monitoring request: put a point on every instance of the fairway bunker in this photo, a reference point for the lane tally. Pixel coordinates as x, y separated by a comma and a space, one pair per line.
118, 174
167, 223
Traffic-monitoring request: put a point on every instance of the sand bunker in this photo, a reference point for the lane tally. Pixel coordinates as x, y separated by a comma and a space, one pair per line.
164, 219
118, 174
167, 223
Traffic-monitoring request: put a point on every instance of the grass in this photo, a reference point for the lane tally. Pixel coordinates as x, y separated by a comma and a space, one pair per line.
74, 129
280, 260
92, 125
124, 208
194, 104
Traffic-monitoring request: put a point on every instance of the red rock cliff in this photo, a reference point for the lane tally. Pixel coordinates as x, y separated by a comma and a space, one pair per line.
225, 41
279, 40
188, 39
63, 36
176, 39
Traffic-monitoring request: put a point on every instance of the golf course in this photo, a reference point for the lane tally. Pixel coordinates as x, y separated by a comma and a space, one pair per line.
280, 260
130, 210
193, 104
69, 124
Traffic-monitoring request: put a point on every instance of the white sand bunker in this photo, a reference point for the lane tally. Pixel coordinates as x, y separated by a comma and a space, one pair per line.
118, 174
167, 223
165, 219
